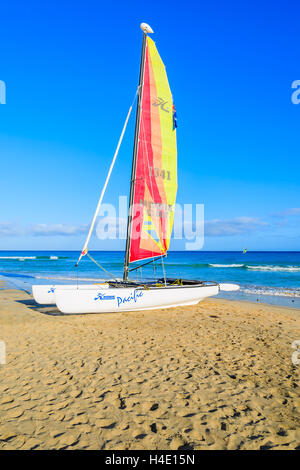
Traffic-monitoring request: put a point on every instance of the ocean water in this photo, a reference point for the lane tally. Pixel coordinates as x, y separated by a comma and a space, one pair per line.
270, 277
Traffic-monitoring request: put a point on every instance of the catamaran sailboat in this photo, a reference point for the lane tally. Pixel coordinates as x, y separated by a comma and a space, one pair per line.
151, 210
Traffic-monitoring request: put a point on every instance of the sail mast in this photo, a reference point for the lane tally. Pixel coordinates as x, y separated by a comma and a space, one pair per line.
146, 29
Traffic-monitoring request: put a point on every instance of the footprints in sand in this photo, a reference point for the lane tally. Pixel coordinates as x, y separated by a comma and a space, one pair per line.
196, 378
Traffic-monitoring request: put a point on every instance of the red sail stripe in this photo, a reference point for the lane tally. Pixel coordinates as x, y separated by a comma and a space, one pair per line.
144, 180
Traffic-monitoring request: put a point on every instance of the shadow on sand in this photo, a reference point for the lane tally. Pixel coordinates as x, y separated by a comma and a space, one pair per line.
49, 309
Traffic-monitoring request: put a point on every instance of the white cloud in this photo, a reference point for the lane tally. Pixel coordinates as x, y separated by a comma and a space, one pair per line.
287, 212
9, 229
236, 226
46, 230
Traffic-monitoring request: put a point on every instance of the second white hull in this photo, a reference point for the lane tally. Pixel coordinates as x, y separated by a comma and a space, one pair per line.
45, 294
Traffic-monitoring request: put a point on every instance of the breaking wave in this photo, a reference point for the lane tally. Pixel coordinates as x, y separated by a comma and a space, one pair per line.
23, 258
275, 268
271, 291
266, 267
227, 265
70, 278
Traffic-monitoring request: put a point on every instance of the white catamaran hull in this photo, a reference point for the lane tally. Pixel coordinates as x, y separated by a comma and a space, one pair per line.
129, 299
45, 294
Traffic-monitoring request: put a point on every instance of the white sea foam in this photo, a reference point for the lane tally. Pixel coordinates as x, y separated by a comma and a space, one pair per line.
227, 265
271, 291
275, 268
258, 267
37, 258
70, 278
18, 257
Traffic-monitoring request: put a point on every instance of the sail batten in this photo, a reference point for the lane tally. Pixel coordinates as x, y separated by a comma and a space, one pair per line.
155, 179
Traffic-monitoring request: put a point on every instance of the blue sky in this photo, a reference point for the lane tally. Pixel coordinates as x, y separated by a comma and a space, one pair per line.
71, 70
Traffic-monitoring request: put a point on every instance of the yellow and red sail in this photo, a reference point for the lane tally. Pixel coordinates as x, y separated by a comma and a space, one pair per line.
155, 185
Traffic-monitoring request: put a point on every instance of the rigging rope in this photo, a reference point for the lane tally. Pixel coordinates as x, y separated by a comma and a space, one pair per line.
101, 267
85, 248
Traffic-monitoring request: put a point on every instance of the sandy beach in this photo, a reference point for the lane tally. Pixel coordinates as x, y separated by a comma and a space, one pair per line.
218, 375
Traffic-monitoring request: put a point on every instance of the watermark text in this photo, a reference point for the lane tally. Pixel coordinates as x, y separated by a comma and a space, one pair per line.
153, 221
2, 353
296, 94
2, 92
296, 353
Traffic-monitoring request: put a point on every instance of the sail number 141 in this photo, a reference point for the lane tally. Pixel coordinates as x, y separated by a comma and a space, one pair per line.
157, 172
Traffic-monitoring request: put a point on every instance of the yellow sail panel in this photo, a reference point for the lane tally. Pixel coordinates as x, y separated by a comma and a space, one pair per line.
156, 169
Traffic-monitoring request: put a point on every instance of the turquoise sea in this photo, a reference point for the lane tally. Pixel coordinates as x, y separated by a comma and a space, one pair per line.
271, 277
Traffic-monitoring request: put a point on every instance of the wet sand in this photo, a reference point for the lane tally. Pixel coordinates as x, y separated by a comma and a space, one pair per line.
218, 375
